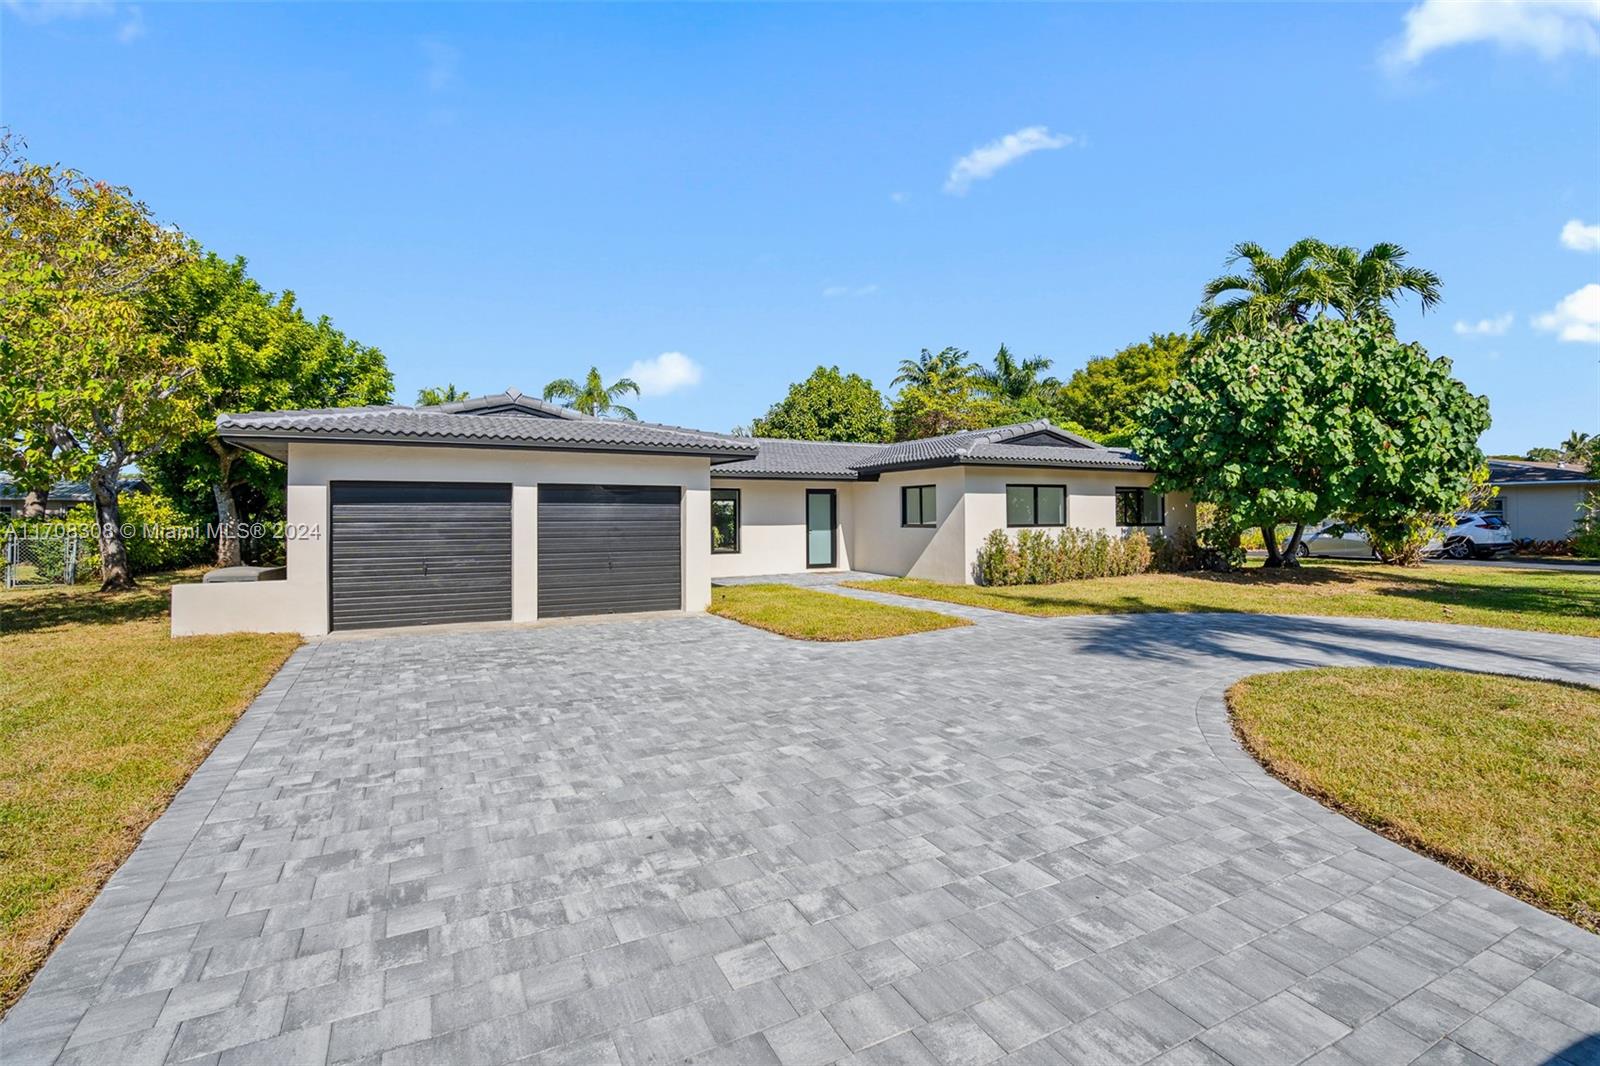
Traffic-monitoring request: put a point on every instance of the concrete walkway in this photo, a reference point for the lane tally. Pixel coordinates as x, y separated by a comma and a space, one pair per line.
1030, 840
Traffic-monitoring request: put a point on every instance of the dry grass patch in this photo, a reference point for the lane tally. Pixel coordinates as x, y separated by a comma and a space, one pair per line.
807, 614
103, 717
1497, 776
1551, 602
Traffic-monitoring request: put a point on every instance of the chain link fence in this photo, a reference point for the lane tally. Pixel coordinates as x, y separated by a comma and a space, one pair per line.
32, 559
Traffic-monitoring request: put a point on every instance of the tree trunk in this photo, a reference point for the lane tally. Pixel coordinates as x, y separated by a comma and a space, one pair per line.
115, 573
33, 503
1269, 537
227, 525
1291, 550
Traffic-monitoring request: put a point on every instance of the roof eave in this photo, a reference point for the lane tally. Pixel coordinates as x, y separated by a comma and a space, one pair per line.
266, 442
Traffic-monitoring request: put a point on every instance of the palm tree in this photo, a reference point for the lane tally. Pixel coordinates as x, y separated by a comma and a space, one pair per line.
930, 370
594, 396
1015, 379
433, 397
1577, 448
1272, 292
1359, 283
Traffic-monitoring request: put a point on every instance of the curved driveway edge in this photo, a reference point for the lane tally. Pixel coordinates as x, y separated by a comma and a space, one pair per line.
1032, 840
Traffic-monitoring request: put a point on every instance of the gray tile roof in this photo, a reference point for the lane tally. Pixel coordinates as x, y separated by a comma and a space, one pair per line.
1048, 445
508, 421
1527, 472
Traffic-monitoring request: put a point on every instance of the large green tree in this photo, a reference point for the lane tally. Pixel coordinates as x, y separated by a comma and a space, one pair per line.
91, 378
593, 396
433, 396
1329, 417
936, 370
827, 405
255, 351
1104, 395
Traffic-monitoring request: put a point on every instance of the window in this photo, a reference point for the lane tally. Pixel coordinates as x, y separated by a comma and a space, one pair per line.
918, 507
1036, 505
725, 520
1140, 507
1494, 505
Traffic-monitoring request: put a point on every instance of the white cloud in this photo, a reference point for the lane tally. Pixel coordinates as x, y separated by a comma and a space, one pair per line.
1549, 28
1581, 236
667, 372
897, 197
833, 292
130, 19
1576, 317
441, 62
1485, 327
984, 162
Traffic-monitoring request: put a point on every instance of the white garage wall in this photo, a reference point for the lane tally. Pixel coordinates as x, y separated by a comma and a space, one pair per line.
772, 526
1542, 512
300, 604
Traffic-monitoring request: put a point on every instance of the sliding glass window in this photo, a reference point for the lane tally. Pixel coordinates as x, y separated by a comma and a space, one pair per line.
1036, 505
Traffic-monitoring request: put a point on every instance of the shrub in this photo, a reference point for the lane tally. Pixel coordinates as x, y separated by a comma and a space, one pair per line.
1036, 557
157, 534
1586, 535
1527, 546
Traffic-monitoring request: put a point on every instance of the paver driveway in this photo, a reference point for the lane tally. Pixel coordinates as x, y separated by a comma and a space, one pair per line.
683, 838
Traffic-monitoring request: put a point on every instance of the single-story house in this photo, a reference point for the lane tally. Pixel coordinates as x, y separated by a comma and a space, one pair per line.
1540, 501
507, 508
64, 495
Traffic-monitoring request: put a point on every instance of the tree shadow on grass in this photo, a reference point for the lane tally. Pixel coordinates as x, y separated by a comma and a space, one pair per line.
35, 610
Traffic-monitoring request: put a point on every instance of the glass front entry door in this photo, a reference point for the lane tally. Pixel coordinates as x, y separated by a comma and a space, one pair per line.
819, 527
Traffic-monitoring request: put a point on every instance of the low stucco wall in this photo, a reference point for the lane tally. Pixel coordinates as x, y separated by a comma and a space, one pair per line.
772, 527
301, 602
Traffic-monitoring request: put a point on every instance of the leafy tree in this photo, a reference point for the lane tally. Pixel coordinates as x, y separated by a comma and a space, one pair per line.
828, 405
949, 405
1311, 276
1014, 380
1104, 394
1330, 417
935, 370
593, 397
1542, 455
433, 397
91, 381
255, 351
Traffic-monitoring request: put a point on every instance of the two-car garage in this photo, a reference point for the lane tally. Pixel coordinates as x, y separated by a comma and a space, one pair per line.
424, 553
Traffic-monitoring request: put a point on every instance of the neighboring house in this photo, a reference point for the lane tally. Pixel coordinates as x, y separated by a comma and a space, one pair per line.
64, 496
509, 508
1540, 501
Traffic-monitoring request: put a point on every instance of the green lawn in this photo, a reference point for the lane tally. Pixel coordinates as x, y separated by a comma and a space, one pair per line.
1553, 601
1498, 776
103, 717
807, 614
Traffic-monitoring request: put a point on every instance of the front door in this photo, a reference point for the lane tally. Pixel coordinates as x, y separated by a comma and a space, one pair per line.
820, 539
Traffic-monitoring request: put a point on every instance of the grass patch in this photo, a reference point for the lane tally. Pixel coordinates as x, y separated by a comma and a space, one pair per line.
1553, 602
1497, 776
103, 716
807, 614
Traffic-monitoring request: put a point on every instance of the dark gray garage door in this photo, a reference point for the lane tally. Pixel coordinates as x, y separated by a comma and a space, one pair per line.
419, 553
608, 549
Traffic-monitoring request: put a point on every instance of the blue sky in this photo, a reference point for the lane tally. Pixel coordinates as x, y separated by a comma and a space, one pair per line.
503, 194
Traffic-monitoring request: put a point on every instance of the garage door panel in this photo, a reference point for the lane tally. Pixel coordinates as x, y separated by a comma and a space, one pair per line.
419, 553
607, 549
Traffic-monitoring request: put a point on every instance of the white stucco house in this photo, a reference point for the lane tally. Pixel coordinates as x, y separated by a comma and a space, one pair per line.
507, 508
1540, 501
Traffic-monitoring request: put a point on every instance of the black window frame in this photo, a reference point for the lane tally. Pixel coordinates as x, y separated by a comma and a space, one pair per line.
1036, 524
921, 501
1161, 498
738, 522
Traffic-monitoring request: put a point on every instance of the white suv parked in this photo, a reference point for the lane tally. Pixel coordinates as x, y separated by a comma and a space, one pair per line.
1474, 535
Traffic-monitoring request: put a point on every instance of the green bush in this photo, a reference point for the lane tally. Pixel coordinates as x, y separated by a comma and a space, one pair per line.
157, 534
1586, 536
1037, 557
